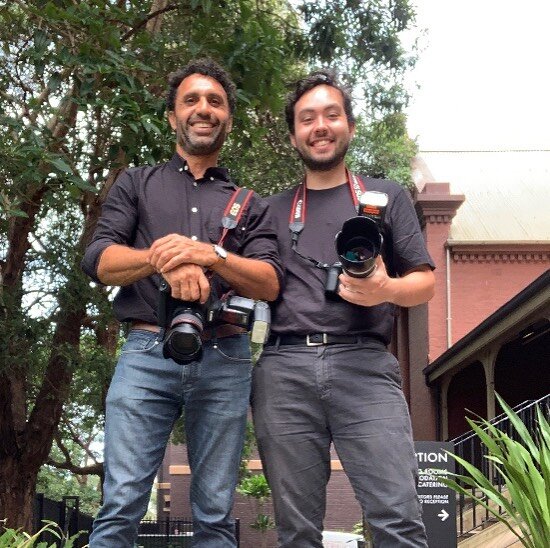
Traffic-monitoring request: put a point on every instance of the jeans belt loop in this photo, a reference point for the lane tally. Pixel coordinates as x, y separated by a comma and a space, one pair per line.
312, 343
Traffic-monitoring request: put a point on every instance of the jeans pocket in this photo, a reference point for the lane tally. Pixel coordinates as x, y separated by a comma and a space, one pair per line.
139, 342
235, 349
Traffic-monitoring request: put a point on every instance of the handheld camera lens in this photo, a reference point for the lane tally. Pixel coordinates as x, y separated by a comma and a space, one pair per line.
358, 244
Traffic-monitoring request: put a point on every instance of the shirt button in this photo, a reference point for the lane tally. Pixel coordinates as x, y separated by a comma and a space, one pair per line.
186, 168
194, 209
195, 183
180, 169
211, 178
194, 238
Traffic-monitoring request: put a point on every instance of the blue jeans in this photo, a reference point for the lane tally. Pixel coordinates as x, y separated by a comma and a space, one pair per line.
145, 398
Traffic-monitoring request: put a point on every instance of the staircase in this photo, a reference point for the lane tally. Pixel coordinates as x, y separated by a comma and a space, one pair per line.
472, 518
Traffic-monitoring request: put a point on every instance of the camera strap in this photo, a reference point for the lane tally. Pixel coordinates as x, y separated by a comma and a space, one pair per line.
297, 219
234, 211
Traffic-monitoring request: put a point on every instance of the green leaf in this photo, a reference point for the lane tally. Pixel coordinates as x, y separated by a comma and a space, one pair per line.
60, 164
54, 82
82, 184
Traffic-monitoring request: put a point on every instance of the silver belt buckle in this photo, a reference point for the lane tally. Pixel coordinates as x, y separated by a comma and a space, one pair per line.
310, 343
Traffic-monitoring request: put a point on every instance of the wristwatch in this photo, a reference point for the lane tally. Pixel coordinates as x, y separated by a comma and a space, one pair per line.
220, 252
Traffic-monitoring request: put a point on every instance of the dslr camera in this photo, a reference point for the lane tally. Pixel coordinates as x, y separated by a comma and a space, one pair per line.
359, 241
184, 321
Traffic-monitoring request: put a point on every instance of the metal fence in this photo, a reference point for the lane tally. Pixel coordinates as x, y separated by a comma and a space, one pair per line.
472, 515
162, 533
170, 533
66, 513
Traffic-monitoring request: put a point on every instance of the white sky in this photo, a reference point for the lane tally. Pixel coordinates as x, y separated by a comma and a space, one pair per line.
484, 75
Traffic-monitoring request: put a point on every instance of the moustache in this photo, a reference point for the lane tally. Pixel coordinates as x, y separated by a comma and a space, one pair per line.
198, 120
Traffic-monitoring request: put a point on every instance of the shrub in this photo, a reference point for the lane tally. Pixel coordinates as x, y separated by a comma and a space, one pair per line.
15, 538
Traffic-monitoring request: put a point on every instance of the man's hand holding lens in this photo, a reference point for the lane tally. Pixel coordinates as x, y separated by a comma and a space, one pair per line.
370, 291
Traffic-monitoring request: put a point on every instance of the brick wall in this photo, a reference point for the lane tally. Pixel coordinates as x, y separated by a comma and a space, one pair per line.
343, 511
482, 283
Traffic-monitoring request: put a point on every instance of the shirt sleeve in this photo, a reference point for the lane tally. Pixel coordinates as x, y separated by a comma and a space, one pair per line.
116, 225
260, 241
409, 247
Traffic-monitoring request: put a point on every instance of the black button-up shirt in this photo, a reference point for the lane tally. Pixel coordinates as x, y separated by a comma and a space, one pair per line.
147, 203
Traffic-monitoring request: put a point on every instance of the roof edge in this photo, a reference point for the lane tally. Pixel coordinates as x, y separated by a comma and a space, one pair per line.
538, 285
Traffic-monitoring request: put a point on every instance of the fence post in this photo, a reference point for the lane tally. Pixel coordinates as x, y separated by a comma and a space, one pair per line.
68, 516
38, 512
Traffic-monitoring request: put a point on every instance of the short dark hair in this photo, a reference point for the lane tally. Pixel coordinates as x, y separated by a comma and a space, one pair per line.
323, 77
206, 67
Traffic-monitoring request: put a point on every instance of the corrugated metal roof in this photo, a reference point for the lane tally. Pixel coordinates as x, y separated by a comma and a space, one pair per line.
507, 192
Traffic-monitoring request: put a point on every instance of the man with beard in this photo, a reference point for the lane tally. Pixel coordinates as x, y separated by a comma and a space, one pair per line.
165, 222
325, 376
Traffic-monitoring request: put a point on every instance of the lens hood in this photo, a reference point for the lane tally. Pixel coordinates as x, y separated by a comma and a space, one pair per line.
357, 245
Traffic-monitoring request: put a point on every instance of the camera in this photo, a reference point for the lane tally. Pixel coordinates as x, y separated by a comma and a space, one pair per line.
184, 321
359, 242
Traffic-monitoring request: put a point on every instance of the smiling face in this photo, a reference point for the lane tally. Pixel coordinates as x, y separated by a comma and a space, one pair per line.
201, 116
322, 131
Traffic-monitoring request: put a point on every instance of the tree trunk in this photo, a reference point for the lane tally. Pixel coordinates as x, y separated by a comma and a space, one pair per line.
24, 450
25, 445
17, 490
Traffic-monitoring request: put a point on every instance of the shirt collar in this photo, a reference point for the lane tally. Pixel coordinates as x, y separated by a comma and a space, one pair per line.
212, 173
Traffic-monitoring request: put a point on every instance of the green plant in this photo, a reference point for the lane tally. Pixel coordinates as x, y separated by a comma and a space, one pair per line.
263, 523
15, 538
524, 465
256, 487
362, 528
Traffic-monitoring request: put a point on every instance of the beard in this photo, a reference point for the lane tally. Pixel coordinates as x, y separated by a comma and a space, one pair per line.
202, 145
324, 164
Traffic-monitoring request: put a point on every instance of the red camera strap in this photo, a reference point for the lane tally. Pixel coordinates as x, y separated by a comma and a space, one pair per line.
297, 219
234, 211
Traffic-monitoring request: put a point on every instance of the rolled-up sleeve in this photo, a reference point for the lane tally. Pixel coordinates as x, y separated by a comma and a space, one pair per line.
408, 242
260, 240
116, 225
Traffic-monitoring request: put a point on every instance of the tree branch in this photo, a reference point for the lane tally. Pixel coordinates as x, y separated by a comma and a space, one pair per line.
143, 22
95, 469
79, 442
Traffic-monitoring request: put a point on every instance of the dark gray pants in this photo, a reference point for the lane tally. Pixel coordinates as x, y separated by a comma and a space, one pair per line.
304, 398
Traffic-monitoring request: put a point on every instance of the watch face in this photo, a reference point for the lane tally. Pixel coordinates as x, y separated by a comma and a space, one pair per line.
220, 251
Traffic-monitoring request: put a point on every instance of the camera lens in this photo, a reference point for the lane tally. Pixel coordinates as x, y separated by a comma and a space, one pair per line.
183, 341
358, 244
360, 249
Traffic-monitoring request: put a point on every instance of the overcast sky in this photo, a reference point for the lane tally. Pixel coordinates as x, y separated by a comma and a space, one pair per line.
484, 75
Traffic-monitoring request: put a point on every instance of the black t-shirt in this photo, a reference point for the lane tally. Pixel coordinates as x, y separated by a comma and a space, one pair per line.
302, 307
147, 203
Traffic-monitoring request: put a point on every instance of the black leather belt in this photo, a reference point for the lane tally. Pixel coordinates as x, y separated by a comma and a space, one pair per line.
218, 331
315, 339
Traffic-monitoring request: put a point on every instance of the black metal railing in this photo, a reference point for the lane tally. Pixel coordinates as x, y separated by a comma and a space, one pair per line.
170, 533
162, 533
470, 514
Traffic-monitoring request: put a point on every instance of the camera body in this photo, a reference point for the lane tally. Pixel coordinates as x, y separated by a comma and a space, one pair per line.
184, 321
359, 242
